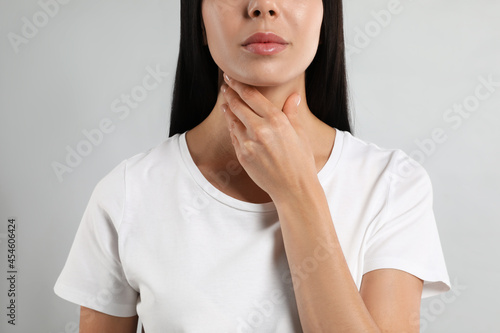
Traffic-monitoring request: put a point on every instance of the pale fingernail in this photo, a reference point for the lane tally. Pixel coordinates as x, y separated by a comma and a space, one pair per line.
228, 79
298, 99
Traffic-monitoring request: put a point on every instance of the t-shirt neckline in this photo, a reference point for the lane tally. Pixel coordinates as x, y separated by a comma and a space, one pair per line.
222, 197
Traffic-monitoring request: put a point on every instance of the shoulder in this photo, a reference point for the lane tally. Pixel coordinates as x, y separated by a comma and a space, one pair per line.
390, 165
159, 156
357, 149
154, 161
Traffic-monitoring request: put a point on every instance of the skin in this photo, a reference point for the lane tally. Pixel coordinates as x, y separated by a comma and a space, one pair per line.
257, 124
228, 24
92, 321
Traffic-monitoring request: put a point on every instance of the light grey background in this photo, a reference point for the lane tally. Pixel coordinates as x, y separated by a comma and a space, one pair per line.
404, 76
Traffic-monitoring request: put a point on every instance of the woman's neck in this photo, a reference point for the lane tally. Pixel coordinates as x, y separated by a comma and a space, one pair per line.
210, 142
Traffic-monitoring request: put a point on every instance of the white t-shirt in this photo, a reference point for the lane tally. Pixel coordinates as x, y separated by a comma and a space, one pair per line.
157, 239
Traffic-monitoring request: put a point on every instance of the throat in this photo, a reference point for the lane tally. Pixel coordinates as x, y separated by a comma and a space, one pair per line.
235, 182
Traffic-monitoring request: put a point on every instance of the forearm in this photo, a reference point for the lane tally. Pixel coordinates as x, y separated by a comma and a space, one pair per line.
327, 297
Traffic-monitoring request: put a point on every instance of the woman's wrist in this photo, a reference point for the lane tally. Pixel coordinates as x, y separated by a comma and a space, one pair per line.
306, 192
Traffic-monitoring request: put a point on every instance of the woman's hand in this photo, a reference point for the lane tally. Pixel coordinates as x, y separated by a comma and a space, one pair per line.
270, 144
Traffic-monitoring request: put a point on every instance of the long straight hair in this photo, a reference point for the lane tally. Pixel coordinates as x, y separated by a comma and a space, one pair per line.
196, 79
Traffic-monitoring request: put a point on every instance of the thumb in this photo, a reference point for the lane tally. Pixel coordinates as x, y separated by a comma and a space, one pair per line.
291, 109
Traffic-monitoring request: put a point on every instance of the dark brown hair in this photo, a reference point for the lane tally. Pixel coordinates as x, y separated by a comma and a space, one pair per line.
196, 79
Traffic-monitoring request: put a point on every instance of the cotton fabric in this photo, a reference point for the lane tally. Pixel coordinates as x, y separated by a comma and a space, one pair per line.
159, 240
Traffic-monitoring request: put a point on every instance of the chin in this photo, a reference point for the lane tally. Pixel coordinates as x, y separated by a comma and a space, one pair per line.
263, 78
263, 83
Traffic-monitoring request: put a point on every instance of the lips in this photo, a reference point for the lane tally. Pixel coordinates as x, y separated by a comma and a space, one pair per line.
261, 37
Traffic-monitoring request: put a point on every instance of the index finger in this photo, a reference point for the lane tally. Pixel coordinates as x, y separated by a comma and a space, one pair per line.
252, 97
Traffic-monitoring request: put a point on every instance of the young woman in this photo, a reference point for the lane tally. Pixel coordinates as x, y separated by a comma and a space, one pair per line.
260, 212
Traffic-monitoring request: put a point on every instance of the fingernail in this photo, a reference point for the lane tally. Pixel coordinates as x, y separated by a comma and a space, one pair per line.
223, 107
223, 88
228, 79
298, 100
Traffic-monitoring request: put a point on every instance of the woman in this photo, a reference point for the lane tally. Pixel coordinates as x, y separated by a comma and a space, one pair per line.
260, 212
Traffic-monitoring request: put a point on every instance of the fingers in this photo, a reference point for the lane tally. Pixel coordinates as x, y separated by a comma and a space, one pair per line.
248, 112
239, 109
251, 96
290, 109
235, 126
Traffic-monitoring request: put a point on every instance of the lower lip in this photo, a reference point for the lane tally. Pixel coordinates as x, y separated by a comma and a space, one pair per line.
265, 48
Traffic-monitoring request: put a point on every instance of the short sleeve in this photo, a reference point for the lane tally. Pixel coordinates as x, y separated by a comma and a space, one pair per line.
405, 236
93, 276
